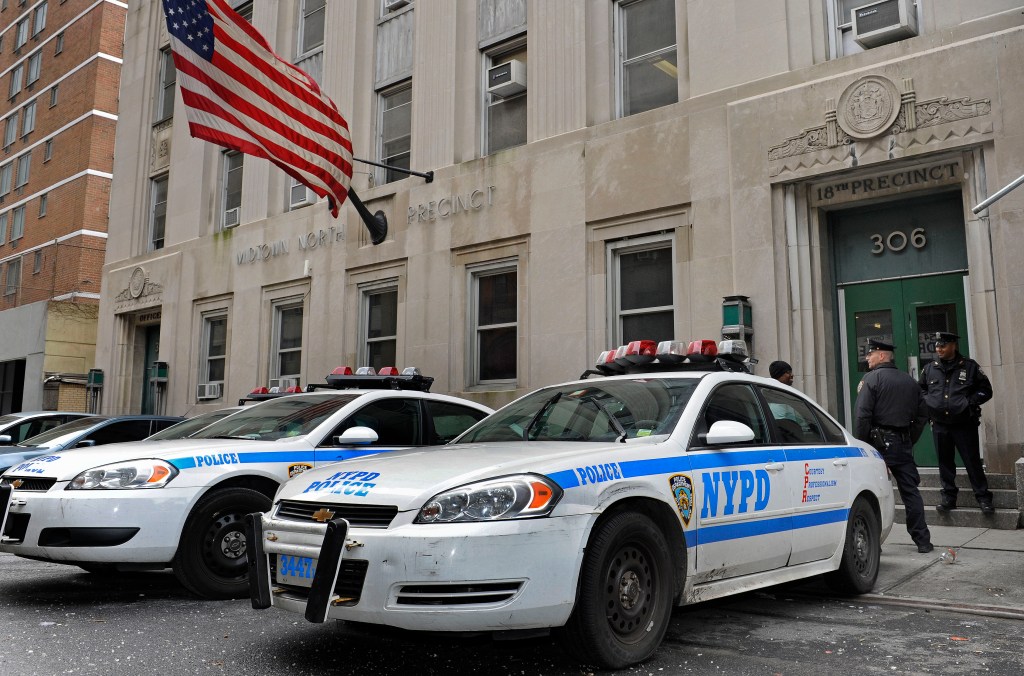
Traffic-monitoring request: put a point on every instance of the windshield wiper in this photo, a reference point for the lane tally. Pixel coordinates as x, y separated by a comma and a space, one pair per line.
611, 418
228, 436
543, 409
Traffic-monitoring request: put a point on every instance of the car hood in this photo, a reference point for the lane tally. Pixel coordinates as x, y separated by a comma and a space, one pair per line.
409, 478
66, 465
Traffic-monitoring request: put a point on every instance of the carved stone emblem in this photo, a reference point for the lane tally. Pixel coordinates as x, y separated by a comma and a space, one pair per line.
139, 287
137, 282
868, 107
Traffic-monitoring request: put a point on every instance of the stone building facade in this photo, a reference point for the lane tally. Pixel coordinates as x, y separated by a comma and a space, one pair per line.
602, 171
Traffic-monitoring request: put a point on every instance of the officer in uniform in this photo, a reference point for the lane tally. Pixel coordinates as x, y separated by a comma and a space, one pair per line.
891, 415
954, 389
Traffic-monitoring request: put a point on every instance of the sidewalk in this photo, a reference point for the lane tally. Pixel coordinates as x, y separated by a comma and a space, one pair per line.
987, 576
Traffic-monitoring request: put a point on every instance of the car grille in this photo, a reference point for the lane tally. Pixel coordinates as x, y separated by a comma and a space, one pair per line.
349, 585
29, 483
474, 593
358, 516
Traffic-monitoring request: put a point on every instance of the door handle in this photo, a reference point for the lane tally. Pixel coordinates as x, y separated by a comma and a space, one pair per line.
841, 462
774, 466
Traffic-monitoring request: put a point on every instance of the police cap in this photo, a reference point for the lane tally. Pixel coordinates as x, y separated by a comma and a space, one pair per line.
874, 344
943, 337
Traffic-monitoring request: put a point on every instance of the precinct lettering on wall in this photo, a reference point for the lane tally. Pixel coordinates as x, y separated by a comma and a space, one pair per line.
306, 241
889, 183
448, 206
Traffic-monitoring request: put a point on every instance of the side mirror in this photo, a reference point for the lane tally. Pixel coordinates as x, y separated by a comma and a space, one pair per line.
356, 436
85, 443
728, 432
6, 440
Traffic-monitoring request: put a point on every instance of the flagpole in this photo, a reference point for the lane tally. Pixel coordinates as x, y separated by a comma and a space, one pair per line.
428, 175
376, 223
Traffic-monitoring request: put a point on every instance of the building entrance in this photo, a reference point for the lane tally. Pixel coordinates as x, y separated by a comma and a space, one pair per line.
901, 272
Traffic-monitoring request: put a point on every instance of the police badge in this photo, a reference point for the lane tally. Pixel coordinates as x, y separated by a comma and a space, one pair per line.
682, 490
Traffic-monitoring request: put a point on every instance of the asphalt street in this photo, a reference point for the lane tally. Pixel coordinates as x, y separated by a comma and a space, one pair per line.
57, 619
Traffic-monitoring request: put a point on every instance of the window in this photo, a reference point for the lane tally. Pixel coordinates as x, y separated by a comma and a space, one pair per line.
5, 178
397, 422
794, 419
232, 188
494, 322
506, 115
736, 403
21, 36
11, 129
648, 74
380, 332
311, 26
35, 64
24, 166
18, 223
212, 364
640, 284
299, 195
244, 9
15, 85
28, 121
287, 349
48, 150
395, 130
3, 228
37, 266
168, 78
158, 212
43, 199
450, 420
13, 279
58, 43
39, 19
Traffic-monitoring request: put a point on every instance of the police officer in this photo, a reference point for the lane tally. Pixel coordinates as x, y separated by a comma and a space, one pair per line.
954, 389
890, 416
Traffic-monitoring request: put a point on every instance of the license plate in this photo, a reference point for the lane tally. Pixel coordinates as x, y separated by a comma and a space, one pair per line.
295, 570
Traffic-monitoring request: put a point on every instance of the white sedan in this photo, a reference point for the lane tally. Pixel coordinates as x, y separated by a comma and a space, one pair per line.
594, 506
181, 503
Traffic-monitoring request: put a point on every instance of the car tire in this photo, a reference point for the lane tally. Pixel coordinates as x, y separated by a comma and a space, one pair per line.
625, 595
862, 550
211, 561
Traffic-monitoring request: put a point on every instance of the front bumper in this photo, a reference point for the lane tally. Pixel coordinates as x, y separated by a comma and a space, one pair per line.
99, 526
466, 577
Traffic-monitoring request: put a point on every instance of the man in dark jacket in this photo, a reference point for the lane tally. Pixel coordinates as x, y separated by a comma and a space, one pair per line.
891, 415
954, 389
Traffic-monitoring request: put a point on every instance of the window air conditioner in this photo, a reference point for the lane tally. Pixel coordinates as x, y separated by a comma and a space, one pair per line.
299, 195
231, 217
392, 5
880, 23
208, 391
507, 79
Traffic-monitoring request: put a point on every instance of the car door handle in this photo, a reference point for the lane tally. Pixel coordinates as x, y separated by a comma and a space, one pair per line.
841, 462
775, 466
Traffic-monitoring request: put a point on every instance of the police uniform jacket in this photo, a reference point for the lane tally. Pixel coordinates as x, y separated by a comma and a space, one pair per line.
954, 390
889, 398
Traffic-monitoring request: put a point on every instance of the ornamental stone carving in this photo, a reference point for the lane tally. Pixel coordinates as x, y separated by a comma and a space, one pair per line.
868, 107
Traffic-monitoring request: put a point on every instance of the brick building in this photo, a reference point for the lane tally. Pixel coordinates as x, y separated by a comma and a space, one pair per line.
60, 66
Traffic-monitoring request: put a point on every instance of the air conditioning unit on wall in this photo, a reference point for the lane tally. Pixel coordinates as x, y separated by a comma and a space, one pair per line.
208, 391
231, 217
880, 23
507, 79
392, 5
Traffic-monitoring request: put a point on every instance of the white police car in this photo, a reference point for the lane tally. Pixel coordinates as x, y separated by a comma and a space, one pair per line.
594, 505
181, 503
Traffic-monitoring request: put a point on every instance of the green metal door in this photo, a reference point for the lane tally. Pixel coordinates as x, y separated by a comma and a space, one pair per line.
903, 312
152, 350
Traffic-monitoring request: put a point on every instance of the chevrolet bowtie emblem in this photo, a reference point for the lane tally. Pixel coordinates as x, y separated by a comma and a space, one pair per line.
17, 483
323, 515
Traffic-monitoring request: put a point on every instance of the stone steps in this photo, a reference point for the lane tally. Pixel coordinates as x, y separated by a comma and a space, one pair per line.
1004, 497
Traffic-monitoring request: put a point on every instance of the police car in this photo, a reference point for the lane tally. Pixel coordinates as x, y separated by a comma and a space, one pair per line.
181, 503
594, 506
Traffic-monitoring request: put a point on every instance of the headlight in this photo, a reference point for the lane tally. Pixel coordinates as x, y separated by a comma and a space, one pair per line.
514, 497
131, 474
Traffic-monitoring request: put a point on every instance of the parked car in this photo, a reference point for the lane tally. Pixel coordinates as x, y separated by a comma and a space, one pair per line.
17, 427
182, 504
595, 506
90, 431
190, 426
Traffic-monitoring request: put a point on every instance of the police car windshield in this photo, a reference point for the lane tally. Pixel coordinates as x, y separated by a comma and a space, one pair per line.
278, 418
641, 407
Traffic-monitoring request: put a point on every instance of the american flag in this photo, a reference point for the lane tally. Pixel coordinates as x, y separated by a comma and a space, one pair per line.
239, 94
